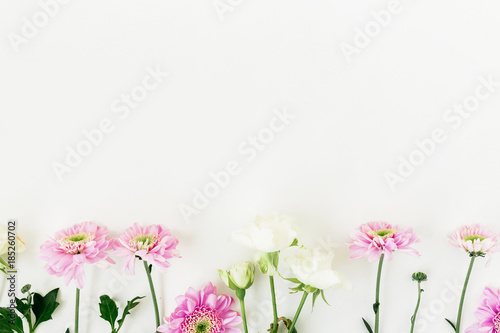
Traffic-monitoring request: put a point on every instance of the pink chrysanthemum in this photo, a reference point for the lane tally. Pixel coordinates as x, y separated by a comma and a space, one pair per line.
202, 312
373, 239
476, 240
70, 249
488, 313
153, 244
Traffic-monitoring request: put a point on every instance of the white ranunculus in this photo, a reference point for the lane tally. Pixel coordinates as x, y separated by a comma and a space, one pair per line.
4, 241
314, 268
266, 233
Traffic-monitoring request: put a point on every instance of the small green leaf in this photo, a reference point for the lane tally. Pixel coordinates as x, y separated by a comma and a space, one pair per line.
44, 306
109, 310
315, 296
376, 306
293, 280
130, 305
67, 330
368, 327
324, 298
452, 325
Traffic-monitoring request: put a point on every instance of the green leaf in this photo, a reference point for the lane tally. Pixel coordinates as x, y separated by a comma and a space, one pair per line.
315, 296
452, 325
22, 307
293, 280
44, 306
368, 327
109, 310
130, 305
324, 298
67, 330
5, 322
376, 306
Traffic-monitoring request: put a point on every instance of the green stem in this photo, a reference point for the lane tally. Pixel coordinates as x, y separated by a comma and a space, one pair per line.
153, 294
77, 309
414, 318
275, 309
460, 308
241, 296
376, 306
297, 314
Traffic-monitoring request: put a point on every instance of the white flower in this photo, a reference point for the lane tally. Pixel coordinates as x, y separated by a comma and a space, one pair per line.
266, 233
314, 268
4, 241
240, 276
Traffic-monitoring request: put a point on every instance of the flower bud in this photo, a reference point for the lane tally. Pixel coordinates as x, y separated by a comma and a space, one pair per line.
419, 277
239, 277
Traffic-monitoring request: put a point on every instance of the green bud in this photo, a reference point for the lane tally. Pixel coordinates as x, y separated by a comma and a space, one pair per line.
268, 262
239, 277
419, 277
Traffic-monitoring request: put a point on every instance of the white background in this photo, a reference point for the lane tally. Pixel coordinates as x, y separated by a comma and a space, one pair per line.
353, 120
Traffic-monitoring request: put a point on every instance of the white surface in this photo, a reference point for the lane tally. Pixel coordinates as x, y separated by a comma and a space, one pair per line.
352, 122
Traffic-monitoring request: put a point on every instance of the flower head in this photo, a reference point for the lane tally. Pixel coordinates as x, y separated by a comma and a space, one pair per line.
373, 239
240, 276
153, 244
314, 268
476, 240
266, 233
488, 313
202, 312
70, 249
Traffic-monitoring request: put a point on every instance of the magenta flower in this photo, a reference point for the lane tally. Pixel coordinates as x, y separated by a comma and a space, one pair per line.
202, 312
488, 313
153, 244
373, 239
476, 240
70, 249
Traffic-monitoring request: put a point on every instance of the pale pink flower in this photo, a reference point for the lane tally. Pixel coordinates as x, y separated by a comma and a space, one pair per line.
488, 313
202, 312
476, 240
373, 239
153, 244
70, 249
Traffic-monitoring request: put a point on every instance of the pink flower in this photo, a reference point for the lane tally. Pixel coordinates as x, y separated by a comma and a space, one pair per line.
373, 239
476, 240
70, 249
203, 312
488, 313
153, 244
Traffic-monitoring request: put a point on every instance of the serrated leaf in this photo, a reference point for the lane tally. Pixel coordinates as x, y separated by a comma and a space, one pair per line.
452, 325
5, 322
109, 310
44, 306
368, 327
130, 305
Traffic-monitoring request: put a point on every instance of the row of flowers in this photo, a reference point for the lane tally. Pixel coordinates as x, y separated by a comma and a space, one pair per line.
205, 311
